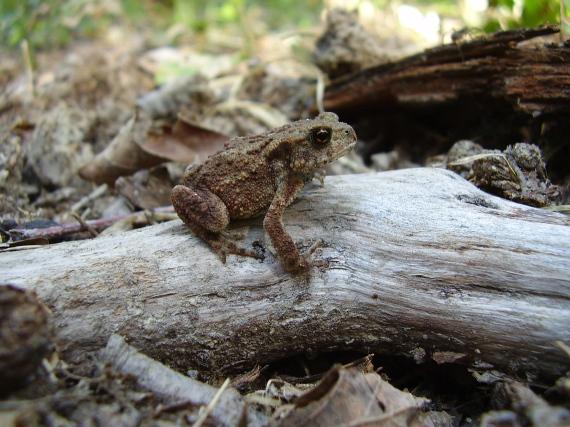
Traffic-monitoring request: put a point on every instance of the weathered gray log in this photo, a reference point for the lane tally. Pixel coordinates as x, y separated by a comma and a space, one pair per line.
420, 262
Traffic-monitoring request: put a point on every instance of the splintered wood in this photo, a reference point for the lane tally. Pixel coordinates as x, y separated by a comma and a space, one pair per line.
491, 67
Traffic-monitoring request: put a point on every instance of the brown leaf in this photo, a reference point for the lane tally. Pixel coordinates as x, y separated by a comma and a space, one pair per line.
29, 242
137, 147
123, 156
186, 141
447, 357
348, 397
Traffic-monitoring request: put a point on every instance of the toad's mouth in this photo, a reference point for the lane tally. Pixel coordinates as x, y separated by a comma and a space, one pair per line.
344, 151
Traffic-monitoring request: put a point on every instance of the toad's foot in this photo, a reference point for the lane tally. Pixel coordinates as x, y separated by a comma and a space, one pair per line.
221, 245
309, 253
205, 214
303, 261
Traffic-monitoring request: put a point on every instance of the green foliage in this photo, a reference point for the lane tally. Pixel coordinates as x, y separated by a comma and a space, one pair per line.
275, 14
34, 20
25, 20
45, 23
538, 12
565, 18
525, 13
42, 23
58, 22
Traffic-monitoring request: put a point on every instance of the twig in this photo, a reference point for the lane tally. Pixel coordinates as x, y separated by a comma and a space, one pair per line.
95, 194
81, 221
212, 404
320, 92
96, 224
28, 67
173, 387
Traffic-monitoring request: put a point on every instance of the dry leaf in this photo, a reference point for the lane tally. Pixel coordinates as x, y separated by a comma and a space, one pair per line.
185, 142
136, 147
447, 357
123, 156
57, 145
29, 242
348, 397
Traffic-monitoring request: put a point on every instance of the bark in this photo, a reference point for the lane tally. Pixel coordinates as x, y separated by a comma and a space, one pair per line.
534, 80
420, 262
493, 90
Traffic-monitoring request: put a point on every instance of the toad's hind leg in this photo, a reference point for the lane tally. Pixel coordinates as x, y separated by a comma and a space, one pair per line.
206, 215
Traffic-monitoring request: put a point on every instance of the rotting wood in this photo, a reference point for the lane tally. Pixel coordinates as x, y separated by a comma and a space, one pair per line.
420, 261
492, 90
532, 79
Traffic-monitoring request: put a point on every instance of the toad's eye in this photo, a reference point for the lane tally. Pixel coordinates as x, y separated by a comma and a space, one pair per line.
321, 136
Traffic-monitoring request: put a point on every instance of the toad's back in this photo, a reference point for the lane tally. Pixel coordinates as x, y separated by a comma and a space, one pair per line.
243, 182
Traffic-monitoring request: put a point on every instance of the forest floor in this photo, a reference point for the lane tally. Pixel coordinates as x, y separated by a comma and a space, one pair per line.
159, 109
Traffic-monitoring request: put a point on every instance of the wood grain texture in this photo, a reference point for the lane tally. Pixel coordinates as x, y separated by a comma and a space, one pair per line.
419, 261
533, 80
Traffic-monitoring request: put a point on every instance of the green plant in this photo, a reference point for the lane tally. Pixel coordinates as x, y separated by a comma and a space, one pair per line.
521, 13
45, 24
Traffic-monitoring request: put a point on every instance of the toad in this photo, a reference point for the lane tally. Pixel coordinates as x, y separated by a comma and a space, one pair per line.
259, 174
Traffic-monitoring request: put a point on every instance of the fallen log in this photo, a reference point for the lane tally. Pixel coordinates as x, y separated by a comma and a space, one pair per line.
533, 80
420, 262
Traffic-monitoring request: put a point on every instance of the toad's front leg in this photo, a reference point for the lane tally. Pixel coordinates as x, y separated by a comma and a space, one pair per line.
273, 224
207, 216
